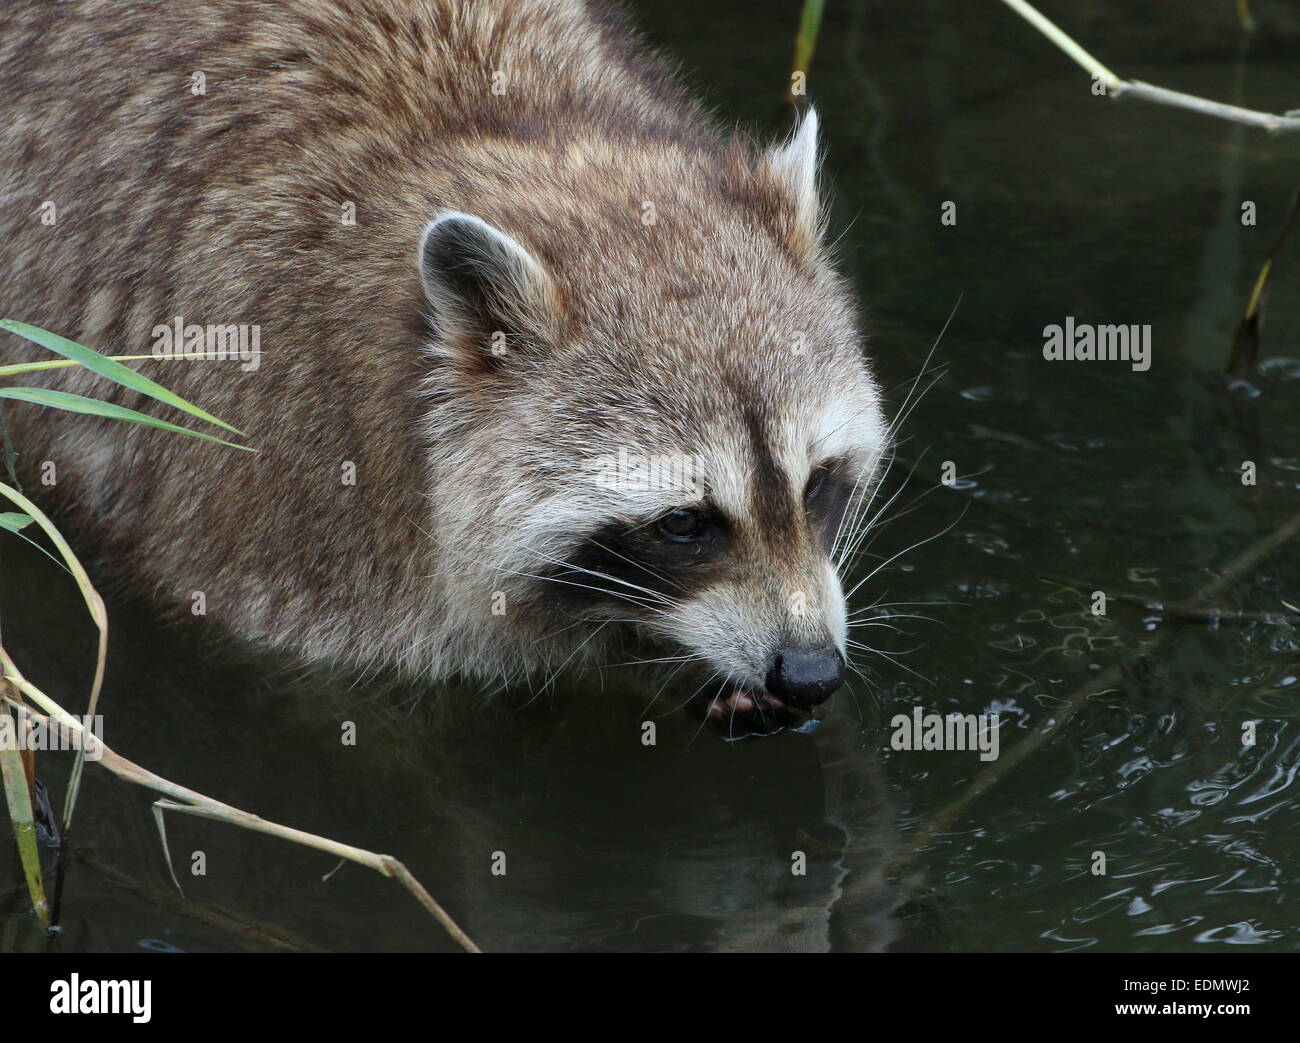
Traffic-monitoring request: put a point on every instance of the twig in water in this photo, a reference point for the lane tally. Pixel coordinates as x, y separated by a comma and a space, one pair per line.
1181, 612
1117, 87
1109, 678
191, 802
256, 931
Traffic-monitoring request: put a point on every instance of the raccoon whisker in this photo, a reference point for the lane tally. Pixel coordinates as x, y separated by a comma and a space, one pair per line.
868, 648
913, 505
858, 529
762, 713
563, 629
639, 602
848, 228
554, 579
890, 656
905, 550
875, 691
892, 615
855, 526
849, 522
564, 564
887, 626
631, 599
705, 721
645, 593
549, 559
857, 705
856, 509
641, 565
505, 684
923, 372
665, 659
910, 403
883, 614
685, 702
913, 399
578, 621
660, 690
359, 681
886, 453
911, 604
919, 543
856, 543
554, 673
567, 659
933, 347
861, 547
656, 595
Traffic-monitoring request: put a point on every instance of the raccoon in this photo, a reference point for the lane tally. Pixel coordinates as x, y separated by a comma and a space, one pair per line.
551, 365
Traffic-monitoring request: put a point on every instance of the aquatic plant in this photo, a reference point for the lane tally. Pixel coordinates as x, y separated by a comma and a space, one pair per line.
29, 703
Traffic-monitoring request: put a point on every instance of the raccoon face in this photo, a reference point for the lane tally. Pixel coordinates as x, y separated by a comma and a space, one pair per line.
740, 579
662, 437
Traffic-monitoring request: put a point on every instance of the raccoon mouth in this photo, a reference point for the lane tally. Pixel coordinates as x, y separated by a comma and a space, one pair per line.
737, 712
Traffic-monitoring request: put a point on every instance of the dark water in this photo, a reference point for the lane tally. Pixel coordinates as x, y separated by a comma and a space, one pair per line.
1086, 474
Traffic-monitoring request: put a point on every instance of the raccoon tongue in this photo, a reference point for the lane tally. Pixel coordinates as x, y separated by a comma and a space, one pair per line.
739, 700
724, 705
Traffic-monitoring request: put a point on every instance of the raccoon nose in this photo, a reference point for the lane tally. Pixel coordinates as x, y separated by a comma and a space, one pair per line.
808, 676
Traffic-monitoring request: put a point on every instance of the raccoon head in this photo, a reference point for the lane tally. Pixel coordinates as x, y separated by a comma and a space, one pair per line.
655, 428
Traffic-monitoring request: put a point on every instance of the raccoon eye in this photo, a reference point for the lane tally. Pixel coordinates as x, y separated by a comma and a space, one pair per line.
681, 525
816, 482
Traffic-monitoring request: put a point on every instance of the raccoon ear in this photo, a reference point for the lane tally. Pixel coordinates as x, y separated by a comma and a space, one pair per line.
791, 169
490, 296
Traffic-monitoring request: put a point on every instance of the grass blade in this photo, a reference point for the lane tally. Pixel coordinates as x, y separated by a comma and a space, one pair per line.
18, 800
94, 604
1245, 345
20, 368
805, 43
158, 806
93, 407
7, 449
11, 521
106, 367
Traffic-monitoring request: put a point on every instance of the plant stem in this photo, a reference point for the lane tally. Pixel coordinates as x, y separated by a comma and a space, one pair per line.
805, 43
18, 800
191, 802
1116, 87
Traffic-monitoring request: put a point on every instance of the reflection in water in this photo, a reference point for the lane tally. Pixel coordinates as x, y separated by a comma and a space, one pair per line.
605, 843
